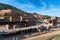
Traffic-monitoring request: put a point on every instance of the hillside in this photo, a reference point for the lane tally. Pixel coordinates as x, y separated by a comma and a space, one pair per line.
6, 6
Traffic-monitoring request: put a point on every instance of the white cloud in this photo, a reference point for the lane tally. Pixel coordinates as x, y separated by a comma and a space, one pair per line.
52, 12
49, 9
27, 5
17, 4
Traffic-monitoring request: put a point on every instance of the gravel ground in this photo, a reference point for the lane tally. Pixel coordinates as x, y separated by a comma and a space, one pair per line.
43, 36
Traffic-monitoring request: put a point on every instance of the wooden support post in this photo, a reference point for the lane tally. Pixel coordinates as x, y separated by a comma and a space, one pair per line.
10, 18
7, 26
20, 18
14, 26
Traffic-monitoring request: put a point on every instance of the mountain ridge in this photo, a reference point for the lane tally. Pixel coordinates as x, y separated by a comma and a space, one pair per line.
7, 6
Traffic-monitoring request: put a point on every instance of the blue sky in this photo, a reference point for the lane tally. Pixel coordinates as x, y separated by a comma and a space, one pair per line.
45, 7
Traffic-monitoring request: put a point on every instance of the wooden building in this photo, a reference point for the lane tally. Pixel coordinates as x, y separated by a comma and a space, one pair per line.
12, 19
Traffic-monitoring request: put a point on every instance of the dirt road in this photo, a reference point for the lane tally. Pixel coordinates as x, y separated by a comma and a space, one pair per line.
43, 36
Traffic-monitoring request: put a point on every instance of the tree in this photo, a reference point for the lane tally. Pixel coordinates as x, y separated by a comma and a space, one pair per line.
48, 17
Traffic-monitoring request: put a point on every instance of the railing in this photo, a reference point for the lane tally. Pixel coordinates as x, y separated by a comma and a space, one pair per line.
7, 31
